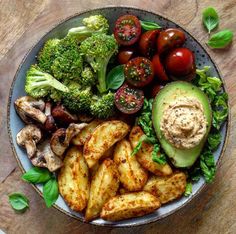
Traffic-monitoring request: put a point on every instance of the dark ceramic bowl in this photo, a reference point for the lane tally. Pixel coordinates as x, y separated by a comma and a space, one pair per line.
59, 31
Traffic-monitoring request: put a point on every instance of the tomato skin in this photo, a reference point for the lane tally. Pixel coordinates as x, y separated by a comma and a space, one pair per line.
129, 100
169, 39
180, 62
159, 70
155, 90
125, 54
139, 72
127, 30
190, 76
147, 43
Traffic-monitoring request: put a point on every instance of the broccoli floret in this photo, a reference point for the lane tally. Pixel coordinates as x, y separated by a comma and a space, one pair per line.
39, 84
98, 50
47, 55
103, 106
88, 77
77, 99
92, 24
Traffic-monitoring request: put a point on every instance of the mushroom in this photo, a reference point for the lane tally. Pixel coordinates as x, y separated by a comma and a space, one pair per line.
62, 115
49, 125
28, 137
30, 109
61, 138
44, 157
84, 118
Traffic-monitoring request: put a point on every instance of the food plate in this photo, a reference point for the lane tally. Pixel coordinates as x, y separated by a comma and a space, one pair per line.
58, 31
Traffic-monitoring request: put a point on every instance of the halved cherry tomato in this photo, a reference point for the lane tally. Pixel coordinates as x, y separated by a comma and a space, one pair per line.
129, 100
169, 39
139, 71
127, 30
159, 70
125, 54
147, 43
180, 62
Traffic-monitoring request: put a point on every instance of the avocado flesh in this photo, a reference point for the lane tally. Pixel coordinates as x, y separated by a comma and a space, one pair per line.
169, 94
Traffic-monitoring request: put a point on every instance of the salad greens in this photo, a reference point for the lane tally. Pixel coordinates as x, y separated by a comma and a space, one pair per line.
210, 18
148, 25
19, 202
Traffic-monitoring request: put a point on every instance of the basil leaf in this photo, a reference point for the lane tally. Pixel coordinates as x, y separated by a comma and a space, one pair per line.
50, 192
214, 140
18, 201
210, 18
188, 189
147, 25
221, 39
115, 77
37, 175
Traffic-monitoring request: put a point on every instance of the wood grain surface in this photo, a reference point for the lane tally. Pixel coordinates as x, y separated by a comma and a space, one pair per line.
22, 23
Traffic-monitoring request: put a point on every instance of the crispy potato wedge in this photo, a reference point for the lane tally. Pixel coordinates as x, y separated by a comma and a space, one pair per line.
167, 189
132, 176
144, 155
129, 205
108, 154
73, 179
104, 136
104, 185
86, 132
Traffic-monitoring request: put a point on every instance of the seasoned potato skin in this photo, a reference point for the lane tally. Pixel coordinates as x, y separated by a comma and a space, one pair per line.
129, 205
132, 176
168, 188
144, 155
73, 179
86, 132
104, 136
104, 185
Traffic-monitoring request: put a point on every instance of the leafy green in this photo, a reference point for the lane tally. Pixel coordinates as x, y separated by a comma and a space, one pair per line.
210, 18
221, 39
115, 77
188, 189
214, 140
148, 25
37, 175
161, 159
19, 202
50, 192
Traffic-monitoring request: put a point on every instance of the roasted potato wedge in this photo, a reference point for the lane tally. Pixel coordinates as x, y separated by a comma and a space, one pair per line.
73, 179
132, 176
167, 188
104, 136
108, 154
104, 185
144, 155
86, 132
129, 205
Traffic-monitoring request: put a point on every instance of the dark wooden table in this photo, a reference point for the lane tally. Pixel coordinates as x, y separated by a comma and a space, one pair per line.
22, 23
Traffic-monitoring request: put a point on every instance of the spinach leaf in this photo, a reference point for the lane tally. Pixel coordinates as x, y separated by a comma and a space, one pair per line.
115, 77
37, 175
19, 202
50, 192
210, 18
221, 39
214, 140
148, 25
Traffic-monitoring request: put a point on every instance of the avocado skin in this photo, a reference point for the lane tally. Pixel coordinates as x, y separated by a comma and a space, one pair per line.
171, 92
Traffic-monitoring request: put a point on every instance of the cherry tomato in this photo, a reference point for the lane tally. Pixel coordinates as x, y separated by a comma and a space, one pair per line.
169, 39
180, 62
159, 70
147, 43
125, 54
190, 76
155, 90
139, 71
129, 100
127, 30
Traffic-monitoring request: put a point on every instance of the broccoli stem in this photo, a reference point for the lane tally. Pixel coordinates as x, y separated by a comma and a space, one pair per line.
102, 79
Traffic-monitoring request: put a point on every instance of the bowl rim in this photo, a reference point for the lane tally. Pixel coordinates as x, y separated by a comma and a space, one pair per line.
63, 20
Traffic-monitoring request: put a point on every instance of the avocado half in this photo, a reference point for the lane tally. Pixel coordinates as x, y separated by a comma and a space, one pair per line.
170, 93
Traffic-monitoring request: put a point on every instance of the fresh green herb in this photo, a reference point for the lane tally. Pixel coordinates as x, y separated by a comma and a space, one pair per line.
19, 202
147, 25
161, 159
37, 175
188, 189
221, 39
210, 18
194, 172
50, 192
214, 140
115, 77
138, 146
